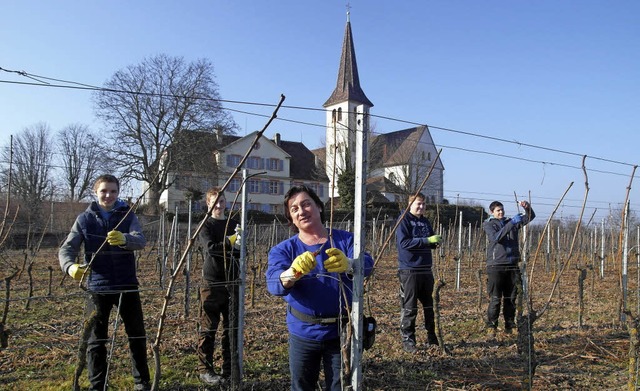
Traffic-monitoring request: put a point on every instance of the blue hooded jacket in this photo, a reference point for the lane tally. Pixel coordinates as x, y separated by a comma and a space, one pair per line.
414, 253
113, 267
503, 248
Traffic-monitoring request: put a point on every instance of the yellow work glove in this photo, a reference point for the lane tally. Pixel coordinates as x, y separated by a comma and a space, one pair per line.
76, 271
116, 238
337, 261
304, 263
232, 239
434, 239
236, 239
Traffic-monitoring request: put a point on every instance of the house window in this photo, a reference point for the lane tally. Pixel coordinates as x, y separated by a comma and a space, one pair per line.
320, 190
429, 156
233, 160
257, 163
274, 187
274, 164
339, 113
254, 186
234, 185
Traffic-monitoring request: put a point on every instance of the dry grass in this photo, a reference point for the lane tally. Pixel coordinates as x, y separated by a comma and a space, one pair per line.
44, 338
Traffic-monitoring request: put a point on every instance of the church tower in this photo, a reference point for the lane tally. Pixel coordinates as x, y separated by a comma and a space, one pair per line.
347, 112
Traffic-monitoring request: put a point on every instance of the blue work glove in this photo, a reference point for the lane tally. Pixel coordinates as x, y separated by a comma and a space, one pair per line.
116, 238
337, 261
76, 271
516, 219
304, 263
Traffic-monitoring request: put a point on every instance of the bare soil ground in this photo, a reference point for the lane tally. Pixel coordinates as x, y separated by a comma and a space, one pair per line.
44, 334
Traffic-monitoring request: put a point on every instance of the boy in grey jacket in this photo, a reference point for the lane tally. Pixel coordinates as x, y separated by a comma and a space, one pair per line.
503, 272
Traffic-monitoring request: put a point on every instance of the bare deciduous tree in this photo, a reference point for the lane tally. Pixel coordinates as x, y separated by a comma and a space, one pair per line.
145, 105
83, 156
32, 158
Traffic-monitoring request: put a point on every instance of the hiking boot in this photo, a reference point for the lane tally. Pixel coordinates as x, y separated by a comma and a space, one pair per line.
508, 330
409, 347
432, 339
211, 379
144, 386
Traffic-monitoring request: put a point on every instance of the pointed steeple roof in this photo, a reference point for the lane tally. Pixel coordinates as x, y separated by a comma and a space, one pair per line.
348, 85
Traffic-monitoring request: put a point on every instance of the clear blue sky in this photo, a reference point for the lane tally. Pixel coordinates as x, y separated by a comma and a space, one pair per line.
561, 75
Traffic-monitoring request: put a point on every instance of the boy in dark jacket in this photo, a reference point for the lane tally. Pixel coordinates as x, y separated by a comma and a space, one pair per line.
110, 272
415, 239
221, 243
503, 271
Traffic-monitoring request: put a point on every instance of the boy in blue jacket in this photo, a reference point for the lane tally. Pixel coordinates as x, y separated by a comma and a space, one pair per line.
503, 271
110, 271
415, 238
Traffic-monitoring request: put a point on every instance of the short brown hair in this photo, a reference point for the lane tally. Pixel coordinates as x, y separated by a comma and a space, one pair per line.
495, 204
414, 197
212, 192
106, 178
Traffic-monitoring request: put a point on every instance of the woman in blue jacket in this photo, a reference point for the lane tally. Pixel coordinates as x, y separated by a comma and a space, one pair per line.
110, 233
311, 272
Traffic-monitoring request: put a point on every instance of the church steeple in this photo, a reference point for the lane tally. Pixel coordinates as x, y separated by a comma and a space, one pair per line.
347, 113
348, 85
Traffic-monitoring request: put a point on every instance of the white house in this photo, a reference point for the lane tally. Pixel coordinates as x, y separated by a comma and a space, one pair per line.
398, 160
272, 167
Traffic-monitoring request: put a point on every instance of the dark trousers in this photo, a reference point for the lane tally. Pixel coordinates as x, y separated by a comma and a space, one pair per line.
415, 286
130, 310
305, 357
502, 286
215, 306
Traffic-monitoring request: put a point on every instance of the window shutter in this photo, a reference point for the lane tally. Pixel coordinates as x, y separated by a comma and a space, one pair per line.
280, 187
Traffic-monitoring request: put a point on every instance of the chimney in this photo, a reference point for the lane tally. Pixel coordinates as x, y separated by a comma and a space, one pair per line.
276, 139
218, 132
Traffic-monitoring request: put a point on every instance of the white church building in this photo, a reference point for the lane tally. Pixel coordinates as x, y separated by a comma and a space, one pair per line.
398, 160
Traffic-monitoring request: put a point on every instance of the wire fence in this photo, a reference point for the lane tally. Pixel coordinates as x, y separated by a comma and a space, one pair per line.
54, 304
